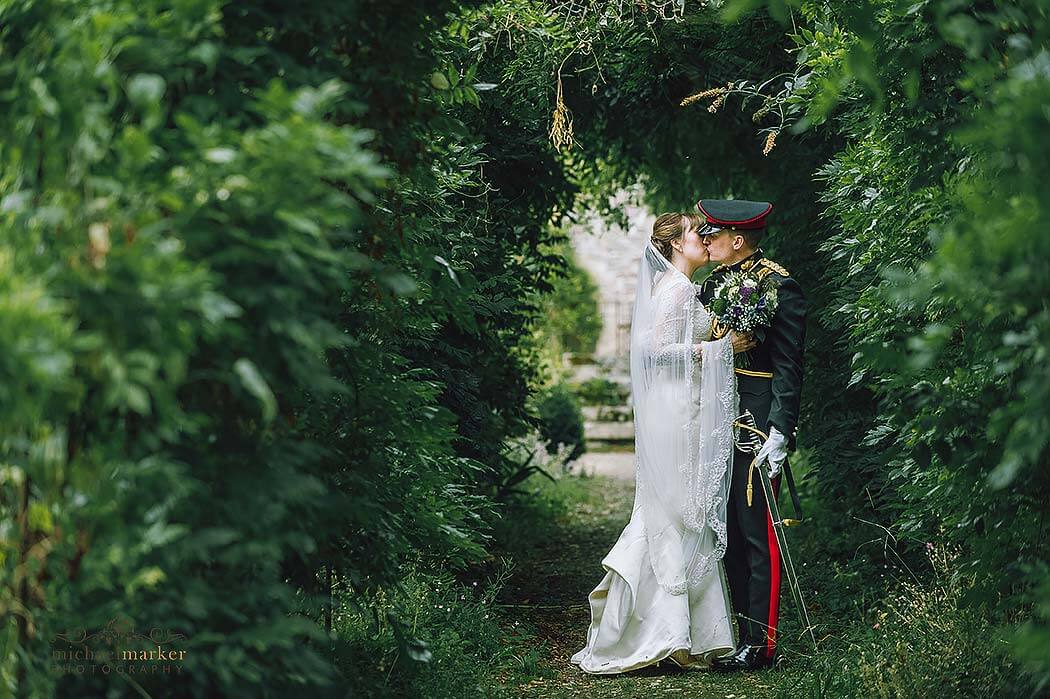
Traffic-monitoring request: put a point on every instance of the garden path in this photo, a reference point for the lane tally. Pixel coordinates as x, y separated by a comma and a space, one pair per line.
549, 590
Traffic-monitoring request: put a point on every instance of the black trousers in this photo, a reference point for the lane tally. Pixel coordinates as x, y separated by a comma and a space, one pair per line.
752, 558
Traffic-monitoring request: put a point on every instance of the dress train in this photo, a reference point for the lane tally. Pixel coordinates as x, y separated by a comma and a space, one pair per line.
635, 622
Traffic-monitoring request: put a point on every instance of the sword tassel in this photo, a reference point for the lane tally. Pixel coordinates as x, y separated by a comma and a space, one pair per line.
751, 468
750, 473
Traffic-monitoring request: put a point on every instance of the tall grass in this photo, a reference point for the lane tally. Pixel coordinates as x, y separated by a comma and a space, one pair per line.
922, 640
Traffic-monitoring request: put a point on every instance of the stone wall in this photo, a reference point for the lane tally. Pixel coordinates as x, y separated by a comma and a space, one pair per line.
610, 255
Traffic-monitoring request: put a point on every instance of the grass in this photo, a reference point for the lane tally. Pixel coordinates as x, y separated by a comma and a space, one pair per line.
438, 637
923, 642
511, 634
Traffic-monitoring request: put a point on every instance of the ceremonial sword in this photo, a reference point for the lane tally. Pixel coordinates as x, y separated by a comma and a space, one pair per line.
749, 441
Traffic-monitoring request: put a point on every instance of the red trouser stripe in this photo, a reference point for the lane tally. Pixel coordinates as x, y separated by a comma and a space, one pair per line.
774, 580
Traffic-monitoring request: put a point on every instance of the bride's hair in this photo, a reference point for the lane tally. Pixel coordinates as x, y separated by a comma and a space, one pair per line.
669, 227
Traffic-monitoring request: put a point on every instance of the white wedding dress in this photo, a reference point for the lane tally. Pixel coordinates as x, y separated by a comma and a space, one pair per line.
664, 594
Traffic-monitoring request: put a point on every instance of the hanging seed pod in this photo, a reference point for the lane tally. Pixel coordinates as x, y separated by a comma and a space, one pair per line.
771, 142
691, 99
561, 133
762, 111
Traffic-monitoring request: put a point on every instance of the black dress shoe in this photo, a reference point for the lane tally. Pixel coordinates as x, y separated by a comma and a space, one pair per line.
745, 657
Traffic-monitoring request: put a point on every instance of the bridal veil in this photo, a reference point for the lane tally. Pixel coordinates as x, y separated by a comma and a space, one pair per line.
684, 396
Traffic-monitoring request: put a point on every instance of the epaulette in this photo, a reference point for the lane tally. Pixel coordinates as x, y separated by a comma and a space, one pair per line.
775, 267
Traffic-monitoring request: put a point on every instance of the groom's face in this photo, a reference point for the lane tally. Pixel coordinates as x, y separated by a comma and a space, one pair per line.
722, 245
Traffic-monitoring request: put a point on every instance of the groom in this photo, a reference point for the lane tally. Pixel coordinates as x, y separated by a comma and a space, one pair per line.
769, 388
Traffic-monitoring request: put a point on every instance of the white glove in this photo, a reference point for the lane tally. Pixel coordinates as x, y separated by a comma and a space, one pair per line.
773, 452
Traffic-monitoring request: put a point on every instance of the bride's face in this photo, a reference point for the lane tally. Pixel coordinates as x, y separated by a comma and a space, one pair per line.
692, 247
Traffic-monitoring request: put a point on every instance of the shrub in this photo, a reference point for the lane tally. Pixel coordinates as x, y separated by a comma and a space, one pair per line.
561, 422
569, 315
601, 391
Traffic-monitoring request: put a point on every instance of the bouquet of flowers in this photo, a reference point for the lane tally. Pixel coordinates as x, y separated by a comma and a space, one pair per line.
745, 304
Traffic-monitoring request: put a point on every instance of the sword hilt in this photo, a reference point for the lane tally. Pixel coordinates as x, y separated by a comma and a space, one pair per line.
750, 438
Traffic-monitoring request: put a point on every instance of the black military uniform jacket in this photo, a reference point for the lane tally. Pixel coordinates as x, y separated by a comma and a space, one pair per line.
771, 385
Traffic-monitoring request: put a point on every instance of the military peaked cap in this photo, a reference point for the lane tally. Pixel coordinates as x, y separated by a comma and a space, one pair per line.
735, 214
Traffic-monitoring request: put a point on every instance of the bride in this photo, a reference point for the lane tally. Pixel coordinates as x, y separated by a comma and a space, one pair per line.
664, 593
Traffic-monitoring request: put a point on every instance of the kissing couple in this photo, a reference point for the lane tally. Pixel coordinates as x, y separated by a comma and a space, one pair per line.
694, 577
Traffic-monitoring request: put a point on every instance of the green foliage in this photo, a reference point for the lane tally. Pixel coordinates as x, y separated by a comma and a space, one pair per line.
569, 319
463, 643
600, 391
258, 330
269, 278
560, 420
169, 377
943, 274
